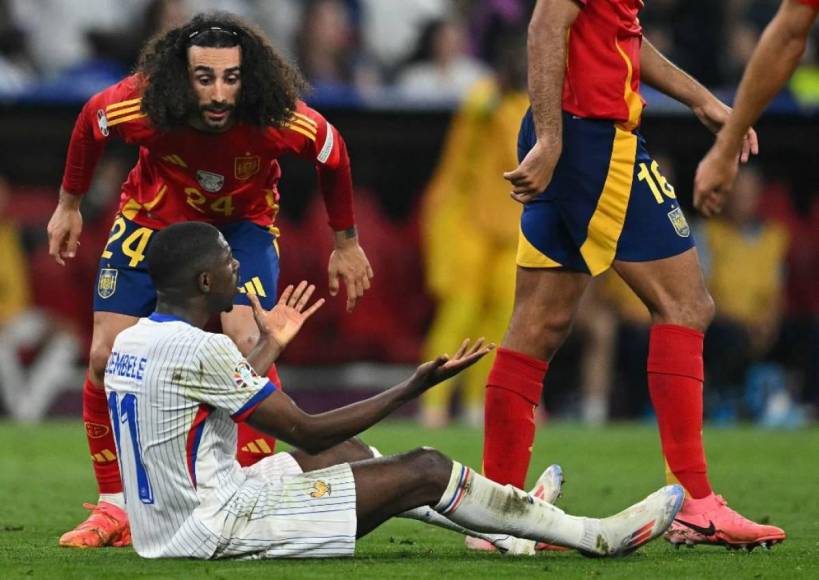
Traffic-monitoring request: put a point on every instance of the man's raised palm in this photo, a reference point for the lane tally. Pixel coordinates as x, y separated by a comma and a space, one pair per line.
284, 321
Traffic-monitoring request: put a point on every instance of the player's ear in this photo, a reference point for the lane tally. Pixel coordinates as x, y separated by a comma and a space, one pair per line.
204, 282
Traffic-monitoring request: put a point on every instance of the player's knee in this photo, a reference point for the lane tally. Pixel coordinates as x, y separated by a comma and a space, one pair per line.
707, 311
695, 312
539, 336
354, 449
432, 466
98, 358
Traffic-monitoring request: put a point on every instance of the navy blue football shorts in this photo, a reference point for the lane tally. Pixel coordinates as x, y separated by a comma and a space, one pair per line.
607, 201
124, 286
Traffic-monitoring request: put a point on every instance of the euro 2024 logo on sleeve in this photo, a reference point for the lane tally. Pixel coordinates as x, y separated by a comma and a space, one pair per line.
102, 123
107, 283
244, 375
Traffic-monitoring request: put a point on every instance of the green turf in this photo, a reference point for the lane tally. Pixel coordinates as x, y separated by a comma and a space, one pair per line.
45, 476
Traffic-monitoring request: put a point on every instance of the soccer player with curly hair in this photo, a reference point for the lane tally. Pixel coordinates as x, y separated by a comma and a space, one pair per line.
211, 107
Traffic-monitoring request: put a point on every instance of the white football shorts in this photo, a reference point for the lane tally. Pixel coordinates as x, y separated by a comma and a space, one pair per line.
281, 512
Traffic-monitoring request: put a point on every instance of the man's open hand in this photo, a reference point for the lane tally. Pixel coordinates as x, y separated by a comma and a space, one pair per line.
284, 321
445, 366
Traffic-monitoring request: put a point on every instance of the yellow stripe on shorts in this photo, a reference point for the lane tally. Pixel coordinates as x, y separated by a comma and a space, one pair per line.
606, 223
529, 256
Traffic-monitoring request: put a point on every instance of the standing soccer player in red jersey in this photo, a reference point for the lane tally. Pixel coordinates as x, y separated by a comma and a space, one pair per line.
594, 199
772, 63
212, 107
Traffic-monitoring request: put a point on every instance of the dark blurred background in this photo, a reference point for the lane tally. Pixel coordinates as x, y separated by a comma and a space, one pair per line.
428, 94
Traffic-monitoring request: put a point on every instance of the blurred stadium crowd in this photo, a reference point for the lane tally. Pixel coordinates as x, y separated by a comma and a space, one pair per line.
456, 238
355, 52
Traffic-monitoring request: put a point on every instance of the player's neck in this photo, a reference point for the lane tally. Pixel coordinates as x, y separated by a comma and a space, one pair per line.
193, 314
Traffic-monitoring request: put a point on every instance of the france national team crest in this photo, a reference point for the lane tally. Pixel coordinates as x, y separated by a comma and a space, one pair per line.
679, 222
107, 284
246, 167
211, 182
320, 489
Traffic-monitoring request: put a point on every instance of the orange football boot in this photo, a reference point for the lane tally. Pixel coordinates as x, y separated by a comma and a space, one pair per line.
106, 526
710, 521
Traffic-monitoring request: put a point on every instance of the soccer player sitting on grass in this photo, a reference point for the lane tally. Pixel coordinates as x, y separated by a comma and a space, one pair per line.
174, 391
212, 107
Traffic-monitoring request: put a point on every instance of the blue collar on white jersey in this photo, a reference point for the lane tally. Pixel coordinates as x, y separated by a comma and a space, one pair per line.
161, 317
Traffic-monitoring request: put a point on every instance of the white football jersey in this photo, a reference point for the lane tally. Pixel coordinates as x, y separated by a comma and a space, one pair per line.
174, 395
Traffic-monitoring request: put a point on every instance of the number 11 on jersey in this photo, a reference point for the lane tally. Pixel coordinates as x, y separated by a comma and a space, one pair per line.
125, 412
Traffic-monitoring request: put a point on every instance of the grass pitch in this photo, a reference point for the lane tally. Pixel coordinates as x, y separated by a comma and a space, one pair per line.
45, 476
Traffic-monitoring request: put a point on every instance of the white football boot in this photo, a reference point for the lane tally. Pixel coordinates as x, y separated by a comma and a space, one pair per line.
621, 534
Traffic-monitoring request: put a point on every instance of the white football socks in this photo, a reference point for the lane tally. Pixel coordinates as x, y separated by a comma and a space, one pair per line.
506, 543
428, 515
476, 503
117, 499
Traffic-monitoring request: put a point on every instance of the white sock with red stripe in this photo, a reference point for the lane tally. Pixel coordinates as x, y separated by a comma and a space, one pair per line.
428, 515
478, 503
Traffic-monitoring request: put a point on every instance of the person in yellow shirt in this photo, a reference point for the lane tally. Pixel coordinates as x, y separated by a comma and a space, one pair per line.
744, 264
15, 294
469, 228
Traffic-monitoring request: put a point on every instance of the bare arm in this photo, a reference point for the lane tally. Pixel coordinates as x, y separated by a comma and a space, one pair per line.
546, 46
659, 72
662, 74
278, 415
84, 151
772, 63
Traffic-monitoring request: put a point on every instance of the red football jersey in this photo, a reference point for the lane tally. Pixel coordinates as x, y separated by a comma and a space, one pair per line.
192, 175
603, 65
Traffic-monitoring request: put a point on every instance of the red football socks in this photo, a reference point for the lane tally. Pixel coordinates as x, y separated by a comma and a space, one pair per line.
675, 376
513, 391
252, 445
100, 438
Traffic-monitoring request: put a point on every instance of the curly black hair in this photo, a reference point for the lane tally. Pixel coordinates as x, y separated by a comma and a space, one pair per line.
270, 85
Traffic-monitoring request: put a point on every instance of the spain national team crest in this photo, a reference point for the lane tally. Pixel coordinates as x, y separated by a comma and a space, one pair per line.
107, 284
320, 489
246, 167
679, 222
211, 182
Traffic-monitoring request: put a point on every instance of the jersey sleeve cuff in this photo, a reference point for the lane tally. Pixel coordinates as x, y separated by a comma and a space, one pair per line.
256, 400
